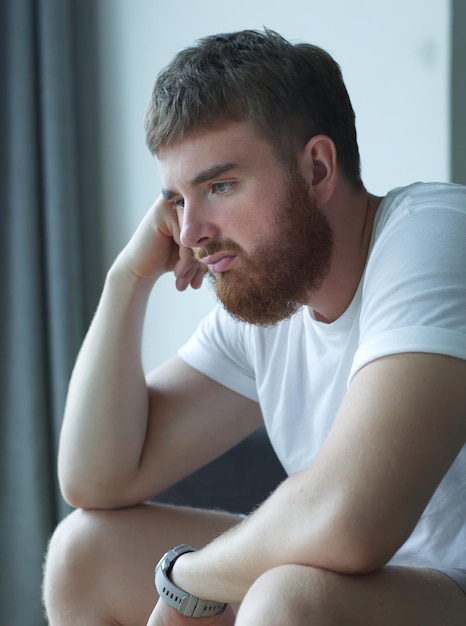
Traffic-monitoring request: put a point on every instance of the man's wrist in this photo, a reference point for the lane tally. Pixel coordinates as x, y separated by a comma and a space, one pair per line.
181, 572
123, 278
172, 591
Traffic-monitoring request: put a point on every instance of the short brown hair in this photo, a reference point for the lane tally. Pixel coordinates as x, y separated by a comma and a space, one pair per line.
290, 92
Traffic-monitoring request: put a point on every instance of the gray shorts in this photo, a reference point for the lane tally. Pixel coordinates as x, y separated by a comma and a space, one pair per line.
456, 574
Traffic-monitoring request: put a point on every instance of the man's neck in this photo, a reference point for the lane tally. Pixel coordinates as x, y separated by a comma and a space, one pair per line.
351, 215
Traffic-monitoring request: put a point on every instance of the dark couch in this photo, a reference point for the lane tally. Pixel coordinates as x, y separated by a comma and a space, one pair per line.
237, 482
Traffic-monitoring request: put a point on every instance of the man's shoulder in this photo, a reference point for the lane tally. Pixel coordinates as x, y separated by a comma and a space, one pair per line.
428, 193
418, 199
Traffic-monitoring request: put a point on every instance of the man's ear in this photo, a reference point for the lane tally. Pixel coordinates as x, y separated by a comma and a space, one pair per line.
318, 165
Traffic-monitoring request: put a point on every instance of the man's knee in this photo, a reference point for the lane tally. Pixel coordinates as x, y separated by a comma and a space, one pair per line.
71, 561
290, 594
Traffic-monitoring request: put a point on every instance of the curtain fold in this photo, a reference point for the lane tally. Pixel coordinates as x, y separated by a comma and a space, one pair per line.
50, 267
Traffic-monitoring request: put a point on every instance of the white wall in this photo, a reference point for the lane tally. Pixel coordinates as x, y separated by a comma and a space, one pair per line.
395, 59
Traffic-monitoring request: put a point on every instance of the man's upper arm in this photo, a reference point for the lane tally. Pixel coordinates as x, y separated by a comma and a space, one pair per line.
400, 427
192, 420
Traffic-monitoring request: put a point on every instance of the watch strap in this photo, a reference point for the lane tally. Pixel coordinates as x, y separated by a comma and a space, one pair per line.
183, 601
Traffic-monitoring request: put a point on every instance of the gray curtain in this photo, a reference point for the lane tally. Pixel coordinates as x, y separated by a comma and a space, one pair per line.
458, 92
50, 269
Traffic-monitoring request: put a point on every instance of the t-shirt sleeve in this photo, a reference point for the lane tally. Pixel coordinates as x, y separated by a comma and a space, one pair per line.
414, 290
218, 349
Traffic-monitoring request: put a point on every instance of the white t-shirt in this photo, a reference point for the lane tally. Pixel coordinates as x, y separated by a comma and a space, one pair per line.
411, 298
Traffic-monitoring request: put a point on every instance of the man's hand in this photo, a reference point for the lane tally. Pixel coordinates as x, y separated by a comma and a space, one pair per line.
164, 615
155, 249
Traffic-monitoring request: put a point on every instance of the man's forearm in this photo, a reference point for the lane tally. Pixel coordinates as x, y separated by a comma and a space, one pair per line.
106, 414
275, 534
107, 405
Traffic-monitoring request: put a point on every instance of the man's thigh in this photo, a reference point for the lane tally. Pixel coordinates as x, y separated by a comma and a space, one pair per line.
100, 567
393, 595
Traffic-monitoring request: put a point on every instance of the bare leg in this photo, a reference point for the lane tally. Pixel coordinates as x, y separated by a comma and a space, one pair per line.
100, 565
393, 596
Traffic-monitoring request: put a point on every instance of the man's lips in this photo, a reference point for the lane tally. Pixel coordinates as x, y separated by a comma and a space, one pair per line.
219, 262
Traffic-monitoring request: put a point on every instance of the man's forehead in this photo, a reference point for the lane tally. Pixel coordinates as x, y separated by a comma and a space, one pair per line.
218, 136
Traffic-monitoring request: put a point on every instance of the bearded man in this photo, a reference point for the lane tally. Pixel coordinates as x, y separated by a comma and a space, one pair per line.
340, 326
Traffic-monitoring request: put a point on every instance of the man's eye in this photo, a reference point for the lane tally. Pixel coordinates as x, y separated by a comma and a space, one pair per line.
179, 204
222, 187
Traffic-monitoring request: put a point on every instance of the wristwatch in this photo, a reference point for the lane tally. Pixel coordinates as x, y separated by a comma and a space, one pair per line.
184, 602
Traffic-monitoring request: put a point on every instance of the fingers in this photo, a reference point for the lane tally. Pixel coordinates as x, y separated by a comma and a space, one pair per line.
155, 248
188, 271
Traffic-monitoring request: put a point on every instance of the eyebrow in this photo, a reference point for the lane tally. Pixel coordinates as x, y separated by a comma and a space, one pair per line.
204, 177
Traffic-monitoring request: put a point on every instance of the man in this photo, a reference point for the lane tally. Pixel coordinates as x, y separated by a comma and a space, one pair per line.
341, 326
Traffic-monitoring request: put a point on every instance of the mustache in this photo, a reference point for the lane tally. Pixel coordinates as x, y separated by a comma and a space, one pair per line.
218, 245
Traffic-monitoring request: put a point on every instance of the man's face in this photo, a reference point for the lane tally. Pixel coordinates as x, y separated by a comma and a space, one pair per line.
265, 244
286, 266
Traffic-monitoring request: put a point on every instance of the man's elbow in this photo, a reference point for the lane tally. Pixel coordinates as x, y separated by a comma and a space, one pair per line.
363, 559
82, 497
341, 537
361, 552
351, 545
90, 493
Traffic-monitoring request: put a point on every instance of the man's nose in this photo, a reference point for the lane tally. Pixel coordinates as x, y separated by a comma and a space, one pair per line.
196, 227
